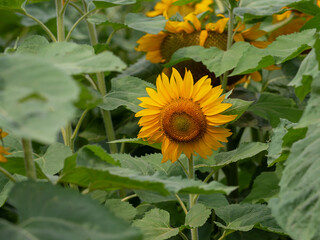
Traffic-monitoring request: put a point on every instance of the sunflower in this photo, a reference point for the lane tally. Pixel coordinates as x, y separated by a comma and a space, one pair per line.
184, 116
3, 150
167, 9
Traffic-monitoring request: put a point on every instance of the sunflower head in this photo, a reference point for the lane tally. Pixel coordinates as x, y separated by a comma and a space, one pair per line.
184, 116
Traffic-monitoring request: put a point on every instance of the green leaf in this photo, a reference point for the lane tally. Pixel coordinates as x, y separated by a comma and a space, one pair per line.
284, 48
44, 208
238, 107
264, 188
244, 151
155, 225
89, 98
312, 23
15, 165
137, 141
307, 72
35, 97
103, 19
197, 216
298, 205
44, 11
52, 161
13, 5
111, 3
140, 22
95, 157
307, 7
215, 59
183, 2
261, 7
32, 44
273, 107
243, 217
213, 201
123, 210
125, 91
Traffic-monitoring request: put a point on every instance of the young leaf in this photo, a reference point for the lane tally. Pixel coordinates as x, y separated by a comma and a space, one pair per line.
52, 161
51, 212
156, 225
121, 209
197, 216
124, 92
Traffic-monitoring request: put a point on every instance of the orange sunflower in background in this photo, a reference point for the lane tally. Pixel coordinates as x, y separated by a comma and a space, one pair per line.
168, 9
160, 47
3, 150
184, 116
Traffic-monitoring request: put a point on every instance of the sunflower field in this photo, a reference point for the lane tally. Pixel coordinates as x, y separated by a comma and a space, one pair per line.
160, 119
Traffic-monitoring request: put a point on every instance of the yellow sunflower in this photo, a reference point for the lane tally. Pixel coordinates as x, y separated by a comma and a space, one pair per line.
3, 150
167, 9
184, 116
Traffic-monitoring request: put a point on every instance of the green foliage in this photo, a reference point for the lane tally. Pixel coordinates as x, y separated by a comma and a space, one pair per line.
124, 92
155, 225
15, 5
37, 100
197, 216
121, 209
145, 24
44, 208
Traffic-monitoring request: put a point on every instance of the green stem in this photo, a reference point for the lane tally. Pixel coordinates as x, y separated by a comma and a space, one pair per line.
42, 25
224, 82
110, 37
60, 24
90, 80
192, 202
184, 168
7, 174
64, 7
76, 7
129, 197
184, 237
224, 234
205, 181
181, 204
106, 115
76, 23
76, 130
28, 159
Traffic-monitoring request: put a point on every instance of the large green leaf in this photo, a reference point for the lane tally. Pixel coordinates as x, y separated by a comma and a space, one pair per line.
155, 225
238, 107
98, 175
245, 150
197, 216
35, 97
243, 217
53, 213
140, 22
262, 7
298, 206
307, 7
125, 91
273, 107
264, 188
75, 58
15, 5
137, 141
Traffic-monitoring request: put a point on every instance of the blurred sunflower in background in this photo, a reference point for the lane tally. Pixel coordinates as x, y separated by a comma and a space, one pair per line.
168, 9
191, 31
184, 116
3, 150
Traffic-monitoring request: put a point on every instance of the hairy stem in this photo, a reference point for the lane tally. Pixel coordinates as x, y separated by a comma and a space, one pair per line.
181, 204
192, 202
28, 159
7, 174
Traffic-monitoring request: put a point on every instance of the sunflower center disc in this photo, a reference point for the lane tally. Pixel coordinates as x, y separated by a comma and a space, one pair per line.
183, 121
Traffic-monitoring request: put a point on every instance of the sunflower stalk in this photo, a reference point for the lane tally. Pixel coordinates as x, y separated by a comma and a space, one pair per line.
28, 159
224, 81
106, 115
192, 198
